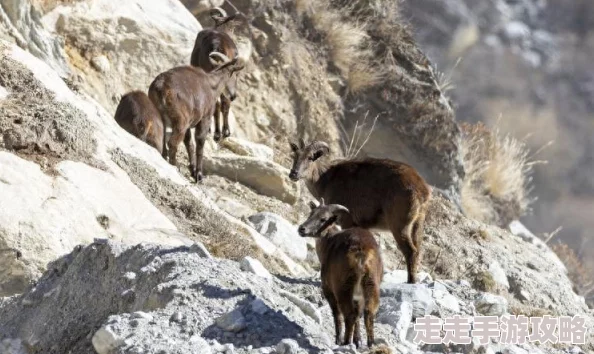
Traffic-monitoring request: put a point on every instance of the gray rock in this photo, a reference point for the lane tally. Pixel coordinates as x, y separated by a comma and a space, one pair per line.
280, 232
141, 315
287, 346
491, 305
105, 340
446, 302
307, 307
396, 314
249, 264
419, 295
232, 321
200, 249
258, 306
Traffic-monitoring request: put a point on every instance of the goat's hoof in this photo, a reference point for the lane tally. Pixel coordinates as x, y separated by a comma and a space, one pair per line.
226, 133
199, 177
217, 136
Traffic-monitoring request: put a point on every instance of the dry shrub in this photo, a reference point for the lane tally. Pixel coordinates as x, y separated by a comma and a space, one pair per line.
581, 277
497, 182
347, 41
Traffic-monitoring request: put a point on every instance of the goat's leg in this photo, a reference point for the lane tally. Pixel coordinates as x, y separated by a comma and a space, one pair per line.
348, 308
372, 295
217, 121
409, 256
225, 108
191, 149
329, 295
164, 147
176, 138
200, 136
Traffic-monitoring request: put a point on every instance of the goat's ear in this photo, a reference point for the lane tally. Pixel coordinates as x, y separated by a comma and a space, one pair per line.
312, 205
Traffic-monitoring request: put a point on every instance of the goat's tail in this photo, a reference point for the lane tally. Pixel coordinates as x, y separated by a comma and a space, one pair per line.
411, 220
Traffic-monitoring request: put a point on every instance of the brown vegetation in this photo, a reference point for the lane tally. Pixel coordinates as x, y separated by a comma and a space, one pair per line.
497, 183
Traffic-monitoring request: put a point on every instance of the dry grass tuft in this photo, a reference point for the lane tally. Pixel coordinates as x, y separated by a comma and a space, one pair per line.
581, 276
347, 41
484, 281
498, 167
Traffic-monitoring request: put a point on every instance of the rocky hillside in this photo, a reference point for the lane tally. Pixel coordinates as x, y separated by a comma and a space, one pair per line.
525, 68
119, 252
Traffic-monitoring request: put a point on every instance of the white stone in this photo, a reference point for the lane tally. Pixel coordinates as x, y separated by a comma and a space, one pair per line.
3, 93
101, 63
247, 148
396, 314
105, 340
307, 307
281, 233
253, 265
419, 295
491, 305
266, 177
446, 301
287, 346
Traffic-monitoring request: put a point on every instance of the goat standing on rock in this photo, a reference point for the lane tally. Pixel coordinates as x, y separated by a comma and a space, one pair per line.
185, 97
213, 40
379, 193
351, 273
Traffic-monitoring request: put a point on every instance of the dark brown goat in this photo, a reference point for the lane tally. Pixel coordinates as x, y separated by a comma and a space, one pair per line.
139, 117
214, 40
185, 97
351, 273
379, 193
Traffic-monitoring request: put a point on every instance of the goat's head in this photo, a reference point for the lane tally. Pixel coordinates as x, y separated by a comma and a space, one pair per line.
222, 63
321, 218
305, 156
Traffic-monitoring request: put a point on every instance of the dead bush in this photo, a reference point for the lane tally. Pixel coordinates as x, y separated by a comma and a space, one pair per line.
496, 187
580, 274
347, 42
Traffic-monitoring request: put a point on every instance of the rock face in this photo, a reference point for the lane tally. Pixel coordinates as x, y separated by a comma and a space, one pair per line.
21, 22
280, 232
264, 176
117, 47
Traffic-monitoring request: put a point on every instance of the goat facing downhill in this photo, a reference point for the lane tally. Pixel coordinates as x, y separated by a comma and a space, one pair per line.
380, 194
214, 40
185, 96
138, 116
351, 270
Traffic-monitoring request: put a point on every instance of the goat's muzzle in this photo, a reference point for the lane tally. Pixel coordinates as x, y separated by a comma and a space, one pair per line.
294, 176
302, 232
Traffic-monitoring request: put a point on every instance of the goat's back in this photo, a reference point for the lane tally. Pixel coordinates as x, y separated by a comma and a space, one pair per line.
208, 41
370, 187
185, 90
137, 115
349, 256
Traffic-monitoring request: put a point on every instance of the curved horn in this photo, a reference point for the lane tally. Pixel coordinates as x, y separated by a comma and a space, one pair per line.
222, 58
337, 208
217, 12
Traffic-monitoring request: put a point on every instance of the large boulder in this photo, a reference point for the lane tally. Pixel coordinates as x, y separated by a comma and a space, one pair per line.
118, 46
264, 176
